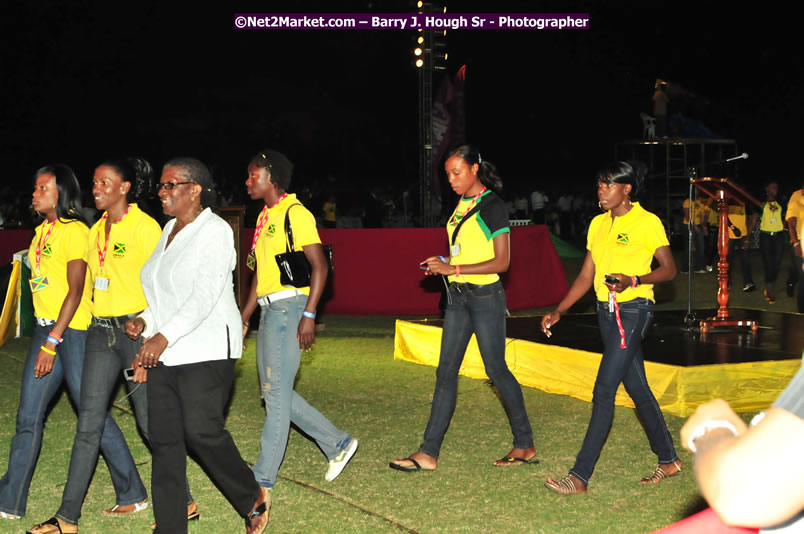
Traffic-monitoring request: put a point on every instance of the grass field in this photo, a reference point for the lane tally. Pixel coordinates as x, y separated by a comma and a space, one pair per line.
352, 378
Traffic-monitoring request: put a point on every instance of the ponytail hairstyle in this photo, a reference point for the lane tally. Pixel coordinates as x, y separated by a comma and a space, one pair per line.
486, 172
68, 207
625, 172
195, 171
137, 172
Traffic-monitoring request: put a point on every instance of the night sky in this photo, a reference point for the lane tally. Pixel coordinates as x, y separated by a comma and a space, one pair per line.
85, 81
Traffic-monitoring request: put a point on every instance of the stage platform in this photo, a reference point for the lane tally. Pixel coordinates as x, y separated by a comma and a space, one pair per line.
685, 368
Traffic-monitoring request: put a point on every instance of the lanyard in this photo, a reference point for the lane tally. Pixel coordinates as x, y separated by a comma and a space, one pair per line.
613, 303
102, 253
263, 219
454, 221
43, 241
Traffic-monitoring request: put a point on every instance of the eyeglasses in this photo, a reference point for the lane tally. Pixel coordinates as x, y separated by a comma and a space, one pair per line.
170, 185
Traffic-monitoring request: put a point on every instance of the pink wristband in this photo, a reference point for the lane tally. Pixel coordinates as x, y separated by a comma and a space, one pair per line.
457, 270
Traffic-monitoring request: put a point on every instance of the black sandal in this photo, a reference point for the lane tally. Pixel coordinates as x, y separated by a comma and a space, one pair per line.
263, 508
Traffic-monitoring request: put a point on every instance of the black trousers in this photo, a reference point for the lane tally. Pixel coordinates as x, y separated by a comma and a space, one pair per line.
736, 248
772, 249
186, 411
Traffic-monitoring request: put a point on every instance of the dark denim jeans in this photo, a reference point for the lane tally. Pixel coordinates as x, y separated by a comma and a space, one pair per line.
35, 395
109, 350
479, 310
627, 366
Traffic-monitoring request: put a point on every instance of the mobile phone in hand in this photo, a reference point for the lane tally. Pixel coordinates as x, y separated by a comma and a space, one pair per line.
129, 374
611, 280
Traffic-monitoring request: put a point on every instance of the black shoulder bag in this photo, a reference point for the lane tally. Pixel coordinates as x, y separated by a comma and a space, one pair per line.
294, 268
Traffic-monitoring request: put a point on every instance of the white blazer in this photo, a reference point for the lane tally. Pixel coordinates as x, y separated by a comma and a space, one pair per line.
190, 293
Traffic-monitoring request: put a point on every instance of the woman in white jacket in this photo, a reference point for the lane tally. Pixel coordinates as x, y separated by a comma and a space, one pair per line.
193, 338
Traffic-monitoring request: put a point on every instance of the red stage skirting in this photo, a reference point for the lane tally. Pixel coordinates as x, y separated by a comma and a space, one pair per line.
12, 241
377, 270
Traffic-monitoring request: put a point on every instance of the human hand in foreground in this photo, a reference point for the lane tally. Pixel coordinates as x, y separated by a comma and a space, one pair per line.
549, 320
715, 410
623, 282
306, 334
151, 350
436, 265
134, 327
140, 372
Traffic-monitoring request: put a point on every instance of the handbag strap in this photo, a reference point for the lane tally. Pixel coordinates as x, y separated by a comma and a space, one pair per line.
463, 219
288, 230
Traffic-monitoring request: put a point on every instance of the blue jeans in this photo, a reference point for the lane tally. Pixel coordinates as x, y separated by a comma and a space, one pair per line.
35, 395
480, 310
278, 360
627, 366
109, 350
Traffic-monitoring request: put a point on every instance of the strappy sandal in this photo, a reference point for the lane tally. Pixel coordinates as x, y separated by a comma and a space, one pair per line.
566, 486
662, 472
52, 526
257, 519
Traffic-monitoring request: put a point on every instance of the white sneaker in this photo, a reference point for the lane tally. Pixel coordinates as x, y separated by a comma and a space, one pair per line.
4, 515
336, 466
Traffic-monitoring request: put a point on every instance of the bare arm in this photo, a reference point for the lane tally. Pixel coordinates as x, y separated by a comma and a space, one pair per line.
76, 275
792, 227
579, 287
753, 479
250, 304
315, 255
498, 264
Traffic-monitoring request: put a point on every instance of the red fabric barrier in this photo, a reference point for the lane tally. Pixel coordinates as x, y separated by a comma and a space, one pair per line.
12, 241
705, 522
377, 270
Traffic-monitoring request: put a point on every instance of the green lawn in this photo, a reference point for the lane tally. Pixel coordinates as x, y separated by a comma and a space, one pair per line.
352, 378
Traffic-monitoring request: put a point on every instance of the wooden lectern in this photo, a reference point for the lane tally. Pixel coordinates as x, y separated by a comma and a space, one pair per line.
234, 216
723, 190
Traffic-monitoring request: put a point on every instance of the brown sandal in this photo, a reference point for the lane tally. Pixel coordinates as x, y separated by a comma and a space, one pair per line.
566, 486
662, 472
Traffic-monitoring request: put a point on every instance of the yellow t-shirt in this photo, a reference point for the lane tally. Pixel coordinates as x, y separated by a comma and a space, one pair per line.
272, 241
625, 245
699, 211
737, 218
771, 220
131, 242
476, 235
795, 208
712, 213
329, 211
67, 242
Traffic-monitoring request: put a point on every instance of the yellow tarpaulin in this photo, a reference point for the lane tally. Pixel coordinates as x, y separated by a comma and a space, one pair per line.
8, 317
750, 386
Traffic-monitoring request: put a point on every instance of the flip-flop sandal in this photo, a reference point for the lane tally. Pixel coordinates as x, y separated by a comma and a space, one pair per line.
408, 468
513, 460
51, 526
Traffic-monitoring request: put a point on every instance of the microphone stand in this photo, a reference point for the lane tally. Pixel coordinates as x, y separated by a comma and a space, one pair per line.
690, 321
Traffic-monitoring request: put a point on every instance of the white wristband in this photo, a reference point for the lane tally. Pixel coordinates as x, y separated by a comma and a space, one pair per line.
706, 427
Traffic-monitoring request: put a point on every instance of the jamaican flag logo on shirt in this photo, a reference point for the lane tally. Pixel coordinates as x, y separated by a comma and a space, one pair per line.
119, 249
622, 238
271, 230
47, 250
